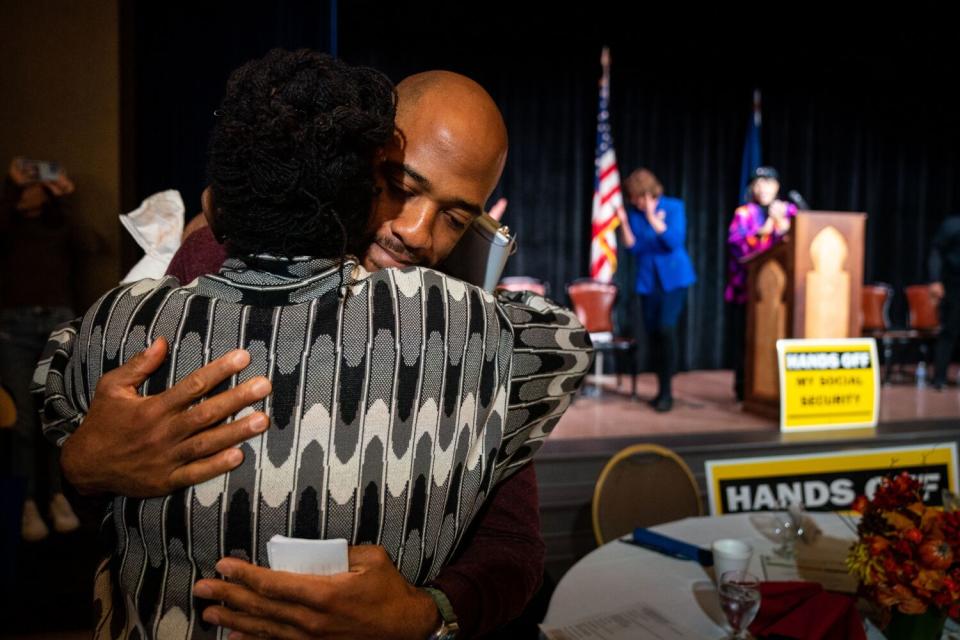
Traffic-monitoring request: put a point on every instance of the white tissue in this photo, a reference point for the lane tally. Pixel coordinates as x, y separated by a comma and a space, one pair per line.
157, 226
316, 557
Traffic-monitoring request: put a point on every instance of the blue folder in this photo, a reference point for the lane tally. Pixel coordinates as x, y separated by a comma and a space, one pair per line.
670, 546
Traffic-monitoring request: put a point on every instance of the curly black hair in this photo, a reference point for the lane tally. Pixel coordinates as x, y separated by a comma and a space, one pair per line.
291, 155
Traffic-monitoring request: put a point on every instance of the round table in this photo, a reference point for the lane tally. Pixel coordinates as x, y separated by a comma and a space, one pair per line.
618, 575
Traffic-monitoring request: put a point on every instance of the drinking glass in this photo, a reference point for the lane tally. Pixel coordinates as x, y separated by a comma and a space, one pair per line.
788, 529
740, 600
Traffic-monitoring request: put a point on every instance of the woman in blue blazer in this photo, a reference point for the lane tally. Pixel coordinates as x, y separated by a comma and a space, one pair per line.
654, 229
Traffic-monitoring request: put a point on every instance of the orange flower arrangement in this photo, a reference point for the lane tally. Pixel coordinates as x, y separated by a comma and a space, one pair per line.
907, 556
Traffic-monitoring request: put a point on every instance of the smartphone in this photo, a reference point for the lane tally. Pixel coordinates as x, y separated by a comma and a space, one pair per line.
40, 170
482, 253
48, 171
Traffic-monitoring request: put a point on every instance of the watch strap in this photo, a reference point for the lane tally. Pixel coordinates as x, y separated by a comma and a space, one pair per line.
449, 628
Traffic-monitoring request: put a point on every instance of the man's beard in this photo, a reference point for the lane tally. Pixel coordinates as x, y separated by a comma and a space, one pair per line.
384, 250
397, 248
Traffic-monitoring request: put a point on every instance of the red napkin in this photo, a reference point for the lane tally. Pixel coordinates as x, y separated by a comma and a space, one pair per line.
804, 611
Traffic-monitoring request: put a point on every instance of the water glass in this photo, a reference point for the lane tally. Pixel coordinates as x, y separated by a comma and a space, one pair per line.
740, 600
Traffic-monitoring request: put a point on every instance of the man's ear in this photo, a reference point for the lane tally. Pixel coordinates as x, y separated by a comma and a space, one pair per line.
210, 213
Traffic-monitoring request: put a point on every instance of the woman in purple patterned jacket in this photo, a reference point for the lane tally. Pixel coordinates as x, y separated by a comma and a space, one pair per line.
756, 227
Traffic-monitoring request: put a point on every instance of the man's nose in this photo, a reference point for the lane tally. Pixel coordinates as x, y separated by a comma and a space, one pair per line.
414, 226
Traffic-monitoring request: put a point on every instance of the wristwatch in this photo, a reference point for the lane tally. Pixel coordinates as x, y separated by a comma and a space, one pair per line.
449, 628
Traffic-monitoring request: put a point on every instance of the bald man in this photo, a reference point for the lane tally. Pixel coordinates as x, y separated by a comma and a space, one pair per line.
434, 178
445, 159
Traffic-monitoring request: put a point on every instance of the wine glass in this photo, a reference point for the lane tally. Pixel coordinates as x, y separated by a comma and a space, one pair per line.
788, 529
740, 600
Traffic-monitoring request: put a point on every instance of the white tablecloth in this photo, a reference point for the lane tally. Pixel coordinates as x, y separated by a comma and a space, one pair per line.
617, 575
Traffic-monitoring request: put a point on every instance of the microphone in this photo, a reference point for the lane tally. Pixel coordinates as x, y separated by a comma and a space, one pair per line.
794, 196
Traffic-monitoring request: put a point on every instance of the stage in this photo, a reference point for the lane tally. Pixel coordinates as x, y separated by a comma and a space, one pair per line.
704, 403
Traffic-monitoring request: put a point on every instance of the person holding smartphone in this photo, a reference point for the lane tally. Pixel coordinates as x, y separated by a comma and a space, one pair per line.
39, 248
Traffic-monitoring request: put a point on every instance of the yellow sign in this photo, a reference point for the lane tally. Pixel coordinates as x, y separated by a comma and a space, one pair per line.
826, 481
828, 384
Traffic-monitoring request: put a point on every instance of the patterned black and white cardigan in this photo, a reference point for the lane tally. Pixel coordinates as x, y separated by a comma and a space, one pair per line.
399, 401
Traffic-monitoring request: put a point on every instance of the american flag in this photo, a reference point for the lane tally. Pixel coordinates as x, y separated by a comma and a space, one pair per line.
607, 199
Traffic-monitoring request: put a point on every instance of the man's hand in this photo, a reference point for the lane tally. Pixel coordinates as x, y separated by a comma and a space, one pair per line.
497, 210
139, 446
372, 600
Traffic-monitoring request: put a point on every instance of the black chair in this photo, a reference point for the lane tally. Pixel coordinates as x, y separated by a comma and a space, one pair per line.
876, 324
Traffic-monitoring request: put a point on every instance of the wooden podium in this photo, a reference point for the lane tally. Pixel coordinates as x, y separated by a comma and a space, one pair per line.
807, 286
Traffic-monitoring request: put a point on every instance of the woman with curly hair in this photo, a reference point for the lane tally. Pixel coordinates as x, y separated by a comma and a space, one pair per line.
291, 181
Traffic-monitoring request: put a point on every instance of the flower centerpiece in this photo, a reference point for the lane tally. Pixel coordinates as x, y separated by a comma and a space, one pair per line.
907, 559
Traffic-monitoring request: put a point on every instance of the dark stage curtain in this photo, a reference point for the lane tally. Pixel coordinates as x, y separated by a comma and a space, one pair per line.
853, 120
178, 59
